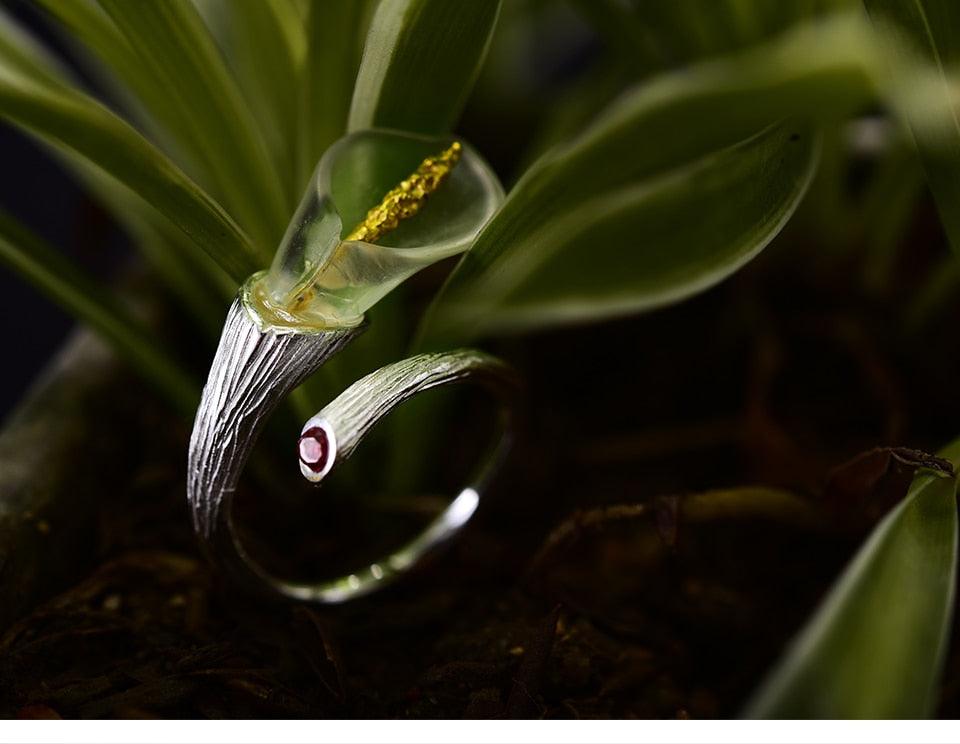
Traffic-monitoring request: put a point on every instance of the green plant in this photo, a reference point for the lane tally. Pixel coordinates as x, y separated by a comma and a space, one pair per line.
646, 185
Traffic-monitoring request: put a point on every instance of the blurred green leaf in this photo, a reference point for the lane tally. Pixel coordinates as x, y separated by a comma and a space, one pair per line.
86, 23
173, 44
931, 29
419, 63
189, 273
572, 111
265, 61
641, 246
194, 278
886, 212
21, 53
876, 646
661, 126
698, 28
628, 36
93, 304
74, 122
335, 31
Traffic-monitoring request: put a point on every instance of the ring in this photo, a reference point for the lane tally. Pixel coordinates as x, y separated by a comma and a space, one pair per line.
288, 321
253, 370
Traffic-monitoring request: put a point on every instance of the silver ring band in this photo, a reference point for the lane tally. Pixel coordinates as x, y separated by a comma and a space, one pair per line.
253, 370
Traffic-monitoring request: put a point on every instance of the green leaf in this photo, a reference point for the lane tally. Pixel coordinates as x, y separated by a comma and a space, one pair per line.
694, 29
66, 285
266, 63
194, 279
627, 34
20, 52
172, 42
638, 248
334, 42
886, 212
876, 645
420, 61
575, 108
86, 23
931, 29
188, 272
662, 126
78, 125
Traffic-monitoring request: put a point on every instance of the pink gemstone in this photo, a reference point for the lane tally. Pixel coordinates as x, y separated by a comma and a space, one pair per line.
314, 448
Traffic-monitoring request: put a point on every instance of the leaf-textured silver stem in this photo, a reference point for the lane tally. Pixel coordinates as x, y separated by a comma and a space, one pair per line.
252, 371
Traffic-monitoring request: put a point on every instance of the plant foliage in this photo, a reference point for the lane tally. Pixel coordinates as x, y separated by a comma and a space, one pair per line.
665, 167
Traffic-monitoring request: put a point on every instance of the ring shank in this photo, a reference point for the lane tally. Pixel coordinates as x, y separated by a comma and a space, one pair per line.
252, 372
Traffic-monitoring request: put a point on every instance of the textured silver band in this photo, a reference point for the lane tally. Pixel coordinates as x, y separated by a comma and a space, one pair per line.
253, 370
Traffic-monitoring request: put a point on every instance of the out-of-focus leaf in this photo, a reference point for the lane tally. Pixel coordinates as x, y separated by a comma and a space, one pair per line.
172, 42
700, 28
818, 70
86, 23
19, 51
875, 647
77, 293
627, 35
931, 29
420, 60
655, 242
263, 58
939, 289
142, 96
74, 122
572, 112
335, 31
886, 211
190, 274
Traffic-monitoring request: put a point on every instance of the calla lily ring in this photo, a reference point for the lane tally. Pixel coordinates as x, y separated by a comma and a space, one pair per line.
288, 321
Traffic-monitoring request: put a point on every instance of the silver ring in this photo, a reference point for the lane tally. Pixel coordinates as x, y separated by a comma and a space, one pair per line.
255, 367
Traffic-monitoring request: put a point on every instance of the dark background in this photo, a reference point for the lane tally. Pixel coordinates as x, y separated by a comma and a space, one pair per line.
43, 196
39, 194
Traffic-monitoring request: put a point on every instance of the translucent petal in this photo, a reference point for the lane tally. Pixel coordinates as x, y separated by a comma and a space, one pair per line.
320, 280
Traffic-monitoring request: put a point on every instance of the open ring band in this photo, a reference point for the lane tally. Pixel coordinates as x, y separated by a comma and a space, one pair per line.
253, 370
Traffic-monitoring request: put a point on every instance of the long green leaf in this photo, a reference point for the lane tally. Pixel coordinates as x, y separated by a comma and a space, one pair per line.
680, 32
266, 62
335, 30
19, 51
420, 61
75, 123
638, 248
932, 30
885, 214
659, 127
171, 40
77, 293
86, 23
188, 272
876, 645
192, 276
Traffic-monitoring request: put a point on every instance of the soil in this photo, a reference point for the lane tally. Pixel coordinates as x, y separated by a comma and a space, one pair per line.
594, 582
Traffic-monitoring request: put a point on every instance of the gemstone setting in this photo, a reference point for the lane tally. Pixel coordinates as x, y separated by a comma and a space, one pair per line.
315, 451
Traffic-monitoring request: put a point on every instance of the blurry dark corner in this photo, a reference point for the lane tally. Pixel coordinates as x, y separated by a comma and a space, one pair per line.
37, 191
